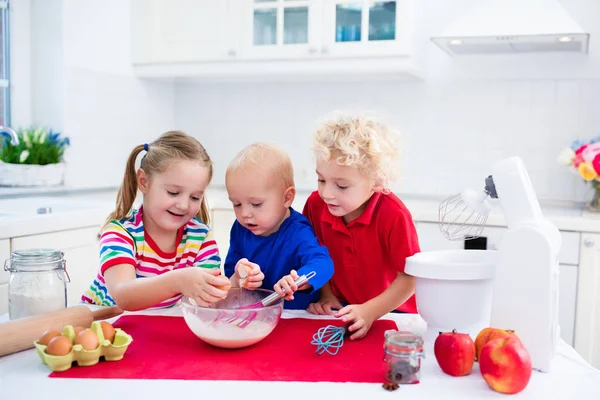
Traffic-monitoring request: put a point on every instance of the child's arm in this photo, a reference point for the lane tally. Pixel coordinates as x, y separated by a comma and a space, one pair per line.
118, 267
328, 304
363, 315
402, 242
313, 258
132, 293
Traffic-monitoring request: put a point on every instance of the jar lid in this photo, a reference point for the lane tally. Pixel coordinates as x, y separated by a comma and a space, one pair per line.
36, 259
403, 342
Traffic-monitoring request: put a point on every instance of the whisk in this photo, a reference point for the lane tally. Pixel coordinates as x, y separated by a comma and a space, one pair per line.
329, 339
243, 318
464, 215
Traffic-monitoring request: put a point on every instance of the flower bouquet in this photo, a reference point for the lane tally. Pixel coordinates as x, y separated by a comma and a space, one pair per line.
36, 161
584, 157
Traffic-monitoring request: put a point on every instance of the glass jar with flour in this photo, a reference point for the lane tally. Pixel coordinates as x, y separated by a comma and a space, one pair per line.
38, 282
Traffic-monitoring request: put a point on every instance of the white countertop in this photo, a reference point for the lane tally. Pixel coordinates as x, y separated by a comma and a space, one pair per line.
23, 376
90, 207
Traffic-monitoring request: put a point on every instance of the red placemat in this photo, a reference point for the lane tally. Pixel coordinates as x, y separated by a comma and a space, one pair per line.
165, 348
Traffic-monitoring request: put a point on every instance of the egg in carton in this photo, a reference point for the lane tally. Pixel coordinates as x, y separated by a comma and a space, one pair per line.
110, 351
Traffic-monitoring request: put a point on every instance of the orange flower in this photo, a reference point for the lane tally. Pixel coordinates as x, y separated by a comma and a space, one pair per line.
587, 171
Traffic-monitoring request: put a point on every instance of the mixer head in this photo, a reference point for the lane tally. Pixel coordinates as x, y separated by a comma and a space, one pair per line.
464, 215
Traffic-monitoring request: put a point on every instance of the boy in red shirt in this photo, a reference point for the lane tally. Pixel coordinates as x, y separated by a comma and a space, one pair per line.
367, 229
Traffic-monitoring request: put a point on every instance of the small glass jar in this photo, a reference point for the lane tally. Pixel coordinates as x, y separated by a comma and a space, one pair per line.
38, 282
403, 352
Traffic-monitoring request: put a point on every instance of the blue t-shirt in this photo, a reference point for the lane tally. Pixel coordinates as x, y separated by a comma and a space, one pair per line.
293, 246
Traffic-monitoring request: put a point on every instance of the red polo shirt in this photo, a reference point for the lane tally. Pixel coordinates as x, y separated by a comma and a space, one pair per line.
369, 252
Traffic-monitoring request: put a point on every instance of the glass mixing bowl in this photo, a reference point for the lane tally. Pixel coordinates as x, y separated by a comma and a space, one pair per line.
218, 324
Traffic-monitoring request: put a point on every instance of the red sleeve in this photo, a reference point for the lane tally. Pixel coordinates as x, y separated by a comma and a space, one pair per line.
403, 239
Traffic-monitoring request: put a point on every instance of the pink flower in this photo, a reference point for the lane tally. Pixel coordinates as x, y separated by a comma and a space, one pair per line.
581, 149
577, 160
591, 151
596, 163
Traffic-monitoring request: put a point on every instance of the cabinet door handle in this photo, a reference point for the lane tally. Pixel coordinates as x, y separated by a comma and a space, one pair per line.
589, 242
231, 52
312, 50
325, 50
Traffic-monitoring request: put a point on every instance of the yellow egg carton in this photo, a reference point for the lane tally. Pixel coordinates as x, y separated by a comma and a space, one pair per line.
110, 351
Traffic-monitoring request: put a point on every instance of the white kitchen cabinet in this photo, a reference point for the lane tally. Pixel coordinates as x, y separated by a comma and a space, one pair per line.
182, 30
4, 275
80, 247
222, 220
4, 255
366, 28
3, 298
280, 29
233, 39
587, 325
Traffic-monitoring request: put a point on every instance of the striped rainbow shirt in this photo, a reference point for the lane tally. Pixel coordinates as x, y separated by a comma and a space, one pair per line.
124, 242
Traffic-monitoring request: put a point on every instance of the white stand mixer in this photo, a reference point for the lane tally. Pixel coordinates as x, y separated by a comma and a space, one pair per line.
525, 284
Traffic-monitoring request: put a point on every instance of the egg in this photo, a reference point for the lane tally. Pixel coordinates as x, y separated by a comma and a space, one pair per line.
108, 331
78, 329
226, 286
243, 272
59, 346
47, 336
88, 339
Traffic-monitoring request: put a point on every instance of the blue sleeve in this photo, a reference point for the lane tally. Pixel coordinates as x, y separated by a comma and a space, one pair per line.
234, 253
314, 257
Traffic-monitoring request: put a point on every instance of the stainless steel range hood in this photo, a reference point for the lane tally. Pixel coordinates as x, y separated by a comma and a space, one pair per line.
513, 26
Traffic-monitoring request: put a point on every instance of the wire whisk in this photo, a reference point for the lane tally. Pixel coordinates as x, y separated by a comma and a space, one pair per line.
329, 339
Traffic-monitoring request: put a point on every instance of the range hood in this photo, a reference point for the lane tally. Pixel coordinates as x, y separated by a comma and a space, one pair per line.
513, 26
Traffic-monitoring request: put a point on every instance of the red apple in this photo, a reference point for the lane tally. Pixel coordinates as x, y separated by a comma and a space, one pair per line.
488, 334
505, 365
455, 353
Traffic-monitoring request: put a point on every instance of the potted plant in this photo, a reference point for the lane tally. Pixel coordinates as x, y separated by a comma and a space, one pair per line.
584, 157
36, 161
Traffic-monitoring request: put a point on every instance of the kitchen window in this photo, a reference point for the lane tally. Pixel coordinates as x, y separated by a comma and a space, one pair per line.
4, 65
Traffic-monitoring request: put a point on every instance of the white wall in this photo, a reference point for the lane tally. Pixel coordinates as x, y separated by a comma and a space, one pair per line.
82, 85
465, 114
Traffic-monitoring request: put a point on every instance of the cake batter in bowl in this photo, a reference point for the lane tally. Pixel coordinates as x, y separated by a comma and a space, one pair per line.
217, 325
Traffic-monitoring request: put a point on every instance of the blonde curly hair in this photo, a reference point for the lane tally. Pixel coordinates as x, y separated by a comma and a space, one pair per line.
360, 141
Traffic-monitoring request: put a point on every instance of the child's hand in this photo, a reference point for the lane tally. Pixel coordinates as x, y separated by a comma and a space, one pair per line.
286, 287
325, 306
248, 274
199, 284
362, 317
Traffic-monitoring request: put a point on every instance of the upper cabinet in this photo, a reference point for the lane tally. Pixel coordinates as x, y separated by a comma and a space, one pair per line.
166, 31
208, 38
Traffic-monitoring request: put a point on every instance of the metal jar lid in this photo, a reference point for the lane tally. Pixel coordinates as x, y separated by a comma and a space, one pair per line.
33, 260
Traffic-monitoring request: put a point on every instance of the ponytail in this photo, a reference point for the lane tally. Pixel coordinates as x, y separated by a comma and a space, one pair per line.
203, 214
128, 190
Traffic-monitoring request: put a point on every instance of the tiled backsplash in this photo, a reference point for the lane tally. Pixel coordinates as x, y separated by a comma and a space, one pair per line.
452, 131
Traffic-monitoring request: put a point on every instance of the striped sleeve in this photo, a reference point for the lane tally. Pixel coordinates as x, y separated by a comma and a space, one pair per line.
208, 252
116, 247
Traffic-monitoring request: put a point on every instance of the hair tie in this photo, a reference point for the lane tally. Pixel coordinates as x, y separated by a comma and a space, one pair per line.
146, 146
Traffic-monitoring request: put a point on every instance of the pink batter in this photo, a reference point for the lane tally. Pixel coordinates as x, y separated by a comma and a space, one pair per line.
230, 336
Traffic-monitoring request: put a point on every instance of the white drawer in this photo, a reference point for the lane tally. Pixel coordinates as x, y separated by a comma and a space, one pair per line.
3, 299
4, 255
58, 240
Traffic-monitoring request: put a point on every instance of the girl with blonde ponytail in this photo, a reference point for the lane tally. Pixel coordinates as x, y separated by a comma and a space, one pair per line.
152, 255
